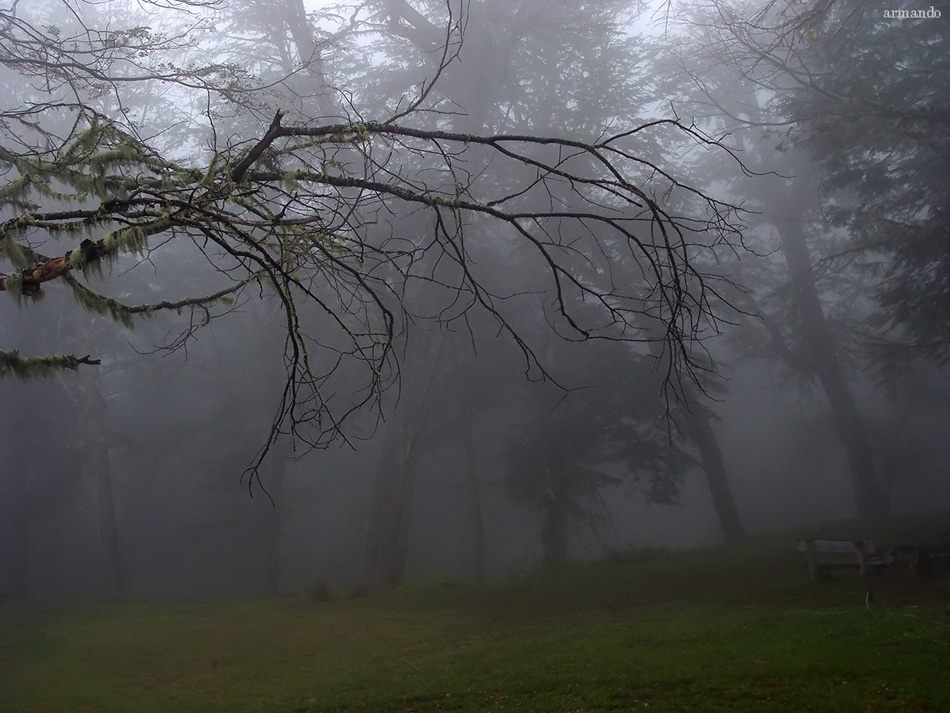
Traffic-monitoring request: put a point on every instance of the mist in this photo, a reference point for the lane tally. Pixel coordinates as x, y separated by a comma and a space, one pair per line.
359, 295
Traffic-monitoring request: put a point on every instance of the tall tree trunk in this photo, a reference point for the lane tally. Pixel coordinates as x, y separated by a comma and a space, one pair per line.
555, 490
788, 205
701, 433
697, 422
390, 509
388, 533
85, 390
98, 469
823, 359
555, 530
473, 498
274, 517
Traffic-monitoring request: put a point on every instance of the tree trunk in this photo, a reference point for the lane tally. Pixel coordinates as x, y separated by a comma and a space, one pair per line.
823, 359
701, 433
97, 469
85, 390
388, 527
391, 508
98, 463
698, 426
274, 516
788, 205
473, 499
554, 531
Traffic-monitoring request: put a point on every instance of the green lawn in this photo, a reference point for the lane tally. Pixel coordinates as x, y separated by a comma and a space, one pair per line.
738, 629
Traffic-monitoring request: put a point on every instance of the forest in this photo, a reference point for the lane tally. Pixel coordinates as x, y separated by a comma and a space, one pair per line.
304, 296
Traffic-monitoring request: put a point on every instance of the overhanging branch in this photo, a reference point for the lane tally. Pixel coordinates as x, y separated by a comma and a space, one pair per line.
31, 367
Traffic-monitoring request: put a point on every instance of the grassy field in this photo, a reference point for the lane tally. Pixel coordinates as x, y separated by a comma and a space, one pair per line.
738, 628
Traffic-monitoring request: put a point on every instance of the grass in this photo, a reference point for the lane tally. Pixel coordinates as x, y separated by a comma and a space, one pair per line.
739, 628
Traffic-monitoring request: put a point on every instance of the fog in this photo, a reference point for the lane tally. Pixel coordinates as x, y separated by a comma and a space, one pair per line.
369, 293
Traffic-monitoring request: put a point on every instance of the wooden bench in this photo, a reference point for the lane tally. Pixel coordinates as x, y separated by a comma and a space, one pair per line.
823, 556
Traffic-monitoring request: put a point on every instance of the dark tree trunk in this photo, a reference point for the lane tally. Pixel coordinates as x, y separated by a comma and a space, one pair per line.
274, 517
98, 469
555, 530
391, 509
85, 389
473, 499
788, 205
701, 433
389, 518
697, 421
823, 359
98, 462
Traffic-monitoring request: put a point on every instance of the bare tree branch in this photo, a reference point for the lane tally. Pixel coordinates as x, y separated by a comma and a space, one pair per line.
338, 220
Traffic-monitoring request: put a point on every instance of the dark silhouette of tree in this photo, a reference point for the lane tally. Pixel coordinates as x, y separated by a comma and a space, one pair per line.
871, 99
567, 448
762, 60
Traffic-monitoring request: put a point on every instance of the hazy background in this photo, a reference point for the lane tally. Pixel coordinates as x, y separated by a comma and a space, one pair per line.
128, 479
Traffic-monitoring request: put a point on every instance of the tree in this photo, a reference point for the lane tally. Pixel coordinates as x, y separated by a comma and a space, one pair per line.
554, 66
787, 192
567, 448
870, 102
290, 213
